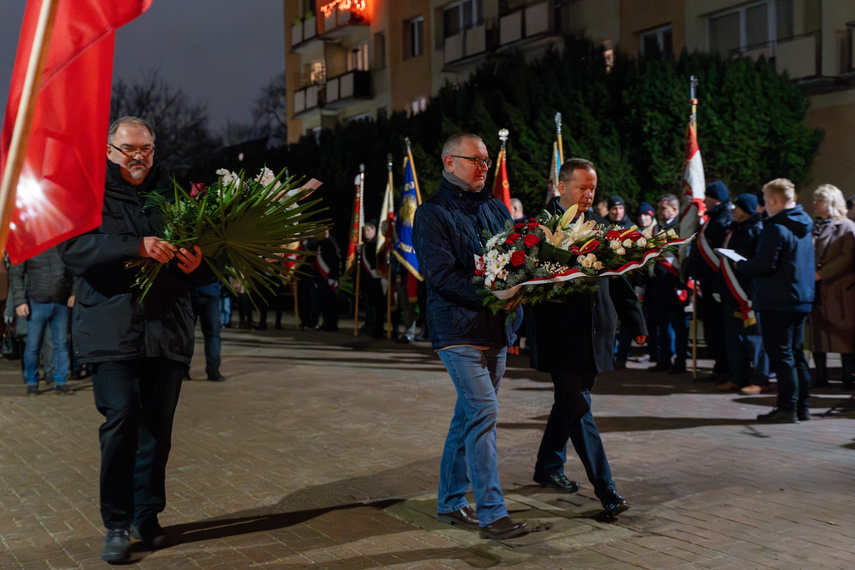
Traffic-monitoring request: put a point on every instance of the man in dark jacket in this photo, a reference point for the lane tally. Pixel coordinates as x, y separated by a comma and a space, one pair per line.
704, 268
749, 364
574, 341
140, 348
784, 271
448, 230
41, 289
617, 212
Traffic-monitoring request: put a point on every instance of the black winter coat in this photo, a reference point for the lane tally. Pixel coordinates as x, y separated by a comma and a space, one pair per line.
715, 231
744, 240
577, 331
109, 321
447, 234
43, 279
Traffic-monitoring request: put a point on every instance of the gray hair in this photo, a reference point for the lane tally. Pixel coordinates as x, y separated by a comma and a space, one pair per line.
128, 120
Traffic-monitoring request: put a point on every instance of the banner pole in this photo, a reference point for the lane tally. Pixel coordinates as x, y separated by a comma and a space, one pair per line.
359, 246
558, 136
389, 281
693, 84
24, 119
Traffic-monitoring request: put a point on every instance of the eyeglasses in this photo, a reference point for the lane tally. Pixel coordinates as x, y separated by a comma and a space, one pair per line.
130, 151
477, 161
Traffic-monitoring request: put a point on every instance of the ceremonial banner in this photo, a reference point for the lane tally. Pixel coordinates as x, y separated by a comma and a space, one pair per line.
694, 186
410, 200
357, 220
60, 191
501, 186
552, 190
385, 230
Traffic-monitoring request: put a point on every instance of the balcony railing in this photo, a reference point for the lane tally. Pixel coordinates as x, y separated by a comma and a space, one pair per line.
306, 99
467, 43
303, 32
528, 22
343, 89
800, 56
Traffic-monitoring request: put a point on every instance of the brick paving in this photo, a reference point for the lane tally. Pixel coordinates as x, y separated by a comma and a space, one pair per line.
321, 450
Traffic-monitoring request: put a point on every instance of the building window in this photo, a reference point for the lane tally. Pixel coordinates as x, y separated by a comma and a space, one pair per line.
461, 16
750, 27
357, 59
414, 37
656, 42
418, 105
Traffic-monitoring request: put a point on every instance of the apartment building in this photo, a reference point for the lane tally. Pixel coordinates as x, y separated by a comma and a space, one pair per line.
352, 59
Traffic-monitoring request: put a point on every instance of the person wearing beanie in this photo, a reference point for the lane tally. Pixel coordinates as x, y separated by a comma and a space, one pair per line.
704, 267
646, 215
749, 364
617, 212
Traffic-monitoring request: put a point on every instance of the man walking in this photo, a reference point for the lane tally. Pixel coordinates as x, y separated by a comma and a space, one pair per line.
574, 341
471, 341
140, 348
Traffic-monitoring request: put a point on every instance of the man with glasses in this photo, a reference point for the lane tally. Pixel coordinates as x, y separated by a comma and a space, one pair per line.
140, 348
471, 341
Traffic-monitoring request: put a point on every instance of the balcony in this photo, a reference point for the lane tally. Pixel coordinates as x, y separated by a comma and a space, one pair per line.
800, 56
303, 33
342, 90
306, 100
339, 23
529, 23
469, 43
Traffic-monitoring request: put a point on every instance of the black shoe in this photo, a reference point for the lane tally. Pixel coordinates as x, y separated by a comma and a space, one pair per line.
678, 368
260, 327
663, 366
62, 389
152, 535
803, 414
117, 545
614, 504
464, 517
32, 389
216, 378
503, 528
777, 416
558, 482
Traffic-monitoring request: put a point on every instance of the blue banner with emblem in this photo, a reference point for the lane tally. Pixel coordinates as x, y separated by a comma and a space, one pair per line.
403, 236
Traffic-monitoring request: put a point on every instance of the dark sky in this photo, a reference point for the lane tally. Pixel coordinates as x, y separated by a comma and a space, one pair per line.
217, 51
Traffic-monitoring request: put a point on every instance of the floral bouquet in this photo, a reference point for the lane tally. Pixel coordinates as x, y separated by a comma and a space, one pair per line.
547, 255
243, 227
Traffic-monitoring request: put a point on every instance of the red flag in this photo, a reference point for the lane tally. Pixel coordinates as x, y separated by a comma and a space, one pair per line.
501, 187
61, 188
356, 223
694, 187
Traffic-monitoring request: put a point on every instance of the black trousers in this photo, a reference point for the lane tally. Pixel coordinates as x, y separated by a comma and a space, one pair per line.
137, 399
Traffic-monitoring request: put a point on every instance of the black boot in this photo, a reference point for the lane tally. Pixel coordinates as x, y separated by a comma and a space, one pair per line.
821, 378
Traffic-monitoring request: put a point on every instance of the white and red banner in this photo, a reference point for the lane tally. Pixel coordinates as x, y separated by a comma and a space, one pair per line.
694, 184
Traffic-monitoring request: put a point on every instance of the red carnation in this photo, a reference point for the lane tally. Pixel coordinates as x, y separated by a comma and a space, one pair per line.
519, 226
517, 258
512, 239
533, 226
531, 240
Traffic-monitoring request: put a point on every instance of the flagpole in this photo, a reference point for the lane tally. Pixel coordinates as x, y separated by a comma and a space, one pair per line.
693, 84
24, 118
413, 167
358, 250
389, 280
558, 136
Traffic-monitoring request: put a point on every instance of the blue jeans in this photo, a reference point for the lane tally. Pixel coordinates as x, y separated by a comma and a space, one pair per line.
206, 306
470, 448
42, 315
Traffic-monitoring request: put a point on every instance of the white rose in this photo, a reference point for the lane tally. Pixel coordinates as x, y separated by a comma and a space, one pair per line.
598, 265
641, 242
627, 242
614, 244
585, 262
620, 251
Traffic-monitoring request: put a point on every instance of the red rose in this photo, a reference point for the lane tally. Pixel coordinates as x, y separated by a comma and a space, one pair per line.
512, 239
519, 226
531, 240
197, 188
533, 226
517, 258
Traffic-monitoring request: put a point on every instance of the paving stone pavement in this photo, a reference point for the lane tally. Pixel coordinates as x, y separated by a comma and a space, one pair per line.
321, 450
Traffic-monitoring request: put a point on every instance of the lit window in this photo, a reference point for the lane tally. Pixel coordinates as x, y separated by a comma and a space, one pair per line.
418, 105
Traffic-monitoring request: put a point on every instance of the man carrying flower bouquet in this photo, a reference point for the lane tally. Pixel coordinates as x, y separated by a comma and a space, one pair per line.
470, 340
574, 341
140, 348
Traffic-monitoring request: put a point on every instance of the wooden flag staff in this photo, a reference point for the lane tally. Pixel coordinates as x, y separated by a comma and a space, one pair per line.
359, 252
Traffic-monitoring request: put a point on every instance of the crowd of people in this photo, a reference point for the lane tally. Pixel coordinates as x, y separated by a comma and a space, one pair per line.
766, 279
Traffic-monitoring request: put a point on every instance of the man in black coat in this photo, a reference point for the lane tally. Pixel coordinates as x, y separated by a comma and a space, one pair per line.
140, 348
574, 341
